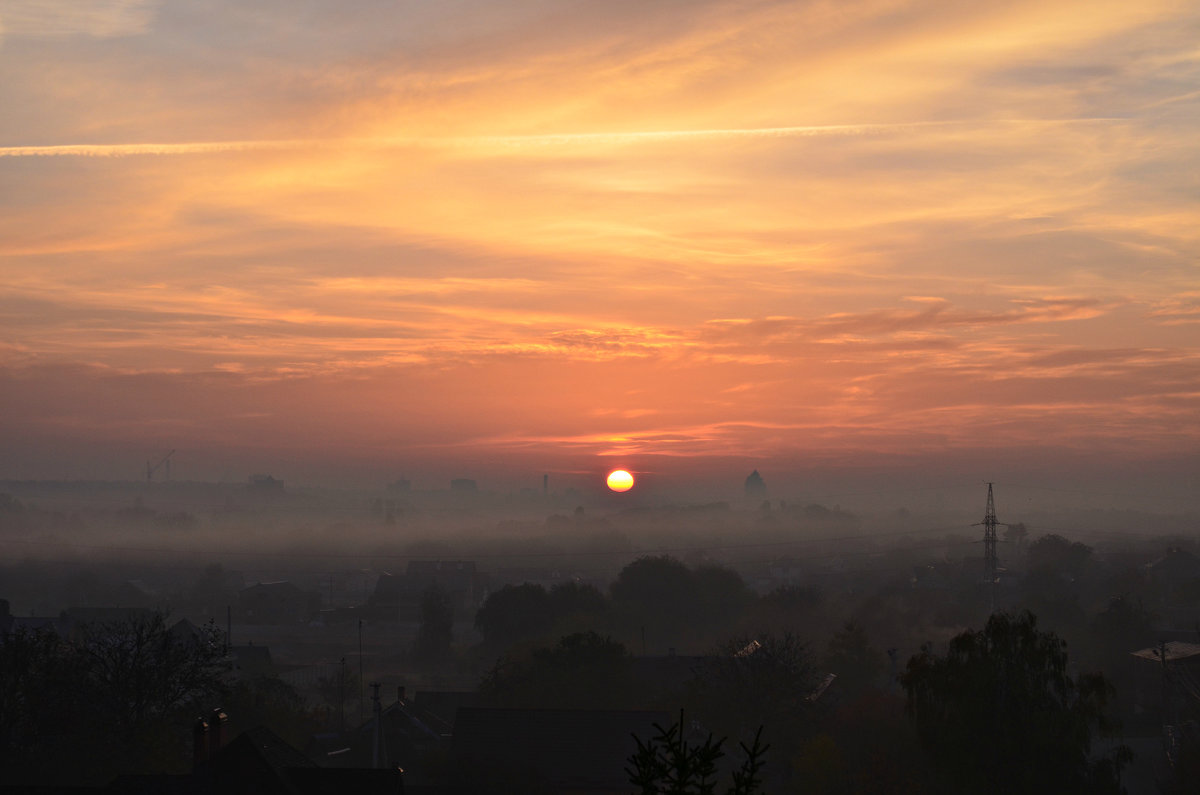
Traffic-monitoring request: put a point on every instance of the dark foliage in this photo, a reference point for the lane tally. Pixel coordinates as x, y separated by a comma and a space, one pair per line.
513, 614
667, 764
858, 665
1053, 553
436, 632
999, 713
117, 697
751, 681
583, 670
675, 605
269, 701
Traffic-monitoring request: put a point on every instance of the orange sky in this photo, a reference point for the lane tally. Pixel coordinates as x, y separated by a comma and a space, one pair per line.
687, 238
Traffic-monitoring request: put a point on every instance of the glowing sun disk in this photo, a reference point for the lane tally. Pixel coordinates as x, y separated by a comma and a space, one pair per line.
620, 480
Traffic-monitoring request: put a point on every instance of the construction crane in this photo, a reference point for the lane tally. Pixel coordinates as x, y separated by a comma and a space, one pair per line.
164, 462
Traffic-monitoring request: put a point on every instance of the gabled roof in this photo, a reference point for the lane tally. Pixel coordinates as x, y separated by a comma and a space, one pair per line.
1176, 563
1175, 650
259, 762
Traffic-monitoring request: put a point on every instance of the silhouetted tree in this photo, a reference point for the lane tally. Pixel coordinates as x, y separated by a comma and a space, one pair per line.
436, 632
269, 701
1016, 534
1122, 627
1055, 554
674, 603
866, 747
768, 681
721, 595
139, 672
668, 764
1000, 714
582, 670
570, 598
40, 689
514, 613
654, 584
118, 696
850, 655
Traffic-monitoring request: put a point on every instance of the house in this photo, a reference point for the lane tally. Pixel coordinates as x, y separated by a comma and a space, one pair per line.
1176, 567
398, 735
1165, 677
250, 661
258, 762
277, 603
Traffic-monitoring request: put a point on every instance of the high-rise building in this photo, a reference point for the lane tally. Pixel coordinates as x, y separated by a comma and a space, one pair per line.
756, 488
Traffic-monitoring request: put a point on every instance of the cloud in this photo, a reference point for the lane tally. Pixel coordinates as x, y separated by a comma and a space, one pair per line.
63, 18
670, 228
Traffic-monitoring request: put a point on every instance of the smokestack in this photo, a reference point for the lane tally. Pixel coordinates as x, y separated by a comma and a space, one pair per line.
400, 694
215, 723
545, 485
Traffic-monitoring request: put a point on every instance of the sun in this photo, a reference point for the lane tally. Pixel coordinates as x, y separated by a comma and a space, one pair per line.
620, 480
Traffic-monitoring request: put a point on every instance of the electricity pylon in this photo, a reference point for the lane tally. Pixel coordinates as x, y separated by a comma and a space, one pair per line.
991, 563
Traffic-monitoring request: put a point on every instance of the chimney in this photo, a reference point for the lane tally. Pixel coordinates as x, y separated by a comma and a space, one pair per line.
400, 694
199, 742
215, 723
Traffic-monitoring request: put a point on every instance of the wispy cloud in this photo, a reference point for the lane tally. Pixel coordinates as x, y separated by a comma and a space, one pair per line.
656, 229
61, 18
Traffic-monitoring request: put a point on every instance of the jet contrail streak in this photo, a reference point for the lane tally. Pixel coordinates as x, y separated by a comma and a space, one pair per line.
125, 150
551, 139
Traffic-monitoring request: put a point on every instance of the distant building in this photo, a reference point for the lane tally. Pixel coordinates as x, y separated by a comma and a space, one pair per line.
464, 486
1166, 671
277, 603
401, 486
251, 662
262, 483
399, 735
257, 761
756, 488
402, 594
1174, 569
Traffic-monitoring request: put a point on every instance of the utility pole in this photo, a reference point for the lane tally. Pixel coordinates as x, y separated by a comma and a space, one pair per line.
1162, 658
361, 691
377, 754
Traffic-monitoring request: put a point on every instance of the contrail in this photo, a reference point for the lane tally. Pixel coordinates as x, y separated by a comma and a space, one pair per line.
516, 141
125, 150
